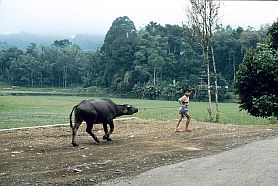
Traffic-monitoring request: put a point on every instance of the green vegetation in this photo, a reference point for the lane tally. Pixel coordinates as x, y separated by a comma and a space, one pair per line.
151, 62
23, 111
154, 62
257, 78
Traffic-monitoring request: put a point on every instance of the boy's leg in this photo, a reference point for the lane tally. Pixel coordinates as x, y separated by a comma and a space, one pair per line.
179, 121
187, 123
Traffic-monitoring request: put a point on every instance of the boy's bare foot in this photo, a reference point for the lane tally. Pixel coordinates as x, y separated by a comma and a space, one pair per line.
178, 129
188, 130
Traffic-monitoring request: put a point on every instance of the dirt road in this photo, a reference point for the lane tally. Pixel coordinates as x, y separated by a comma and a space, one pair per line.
252, 164
46, 157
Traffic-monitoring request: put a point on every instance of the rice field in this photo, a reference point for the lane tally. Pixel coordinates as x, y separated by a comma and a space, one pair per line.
26, 111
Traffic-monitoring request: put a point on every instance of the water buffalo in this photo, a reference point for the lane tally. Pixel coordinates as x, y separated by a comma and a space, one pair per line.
96, 112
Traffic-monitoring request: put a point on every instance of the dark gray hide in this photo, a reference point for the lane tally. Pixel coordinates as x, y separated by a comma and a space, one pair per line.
96, 112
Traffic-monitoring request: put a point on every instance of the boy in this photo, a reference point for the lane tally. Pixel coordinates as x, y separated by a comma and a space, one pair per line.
183, 111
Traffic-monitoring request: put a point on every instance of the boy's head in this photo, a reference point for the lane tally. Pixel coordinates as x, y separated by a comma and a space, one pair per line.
186, 92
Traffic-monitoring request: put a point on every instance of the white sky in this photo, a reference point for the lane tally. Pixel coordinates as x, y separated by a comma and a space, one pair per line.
70, 17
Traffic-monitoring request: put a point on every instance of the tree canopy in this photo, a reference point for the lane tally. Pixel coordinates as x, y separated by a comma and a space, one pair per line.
154, 61
257, 78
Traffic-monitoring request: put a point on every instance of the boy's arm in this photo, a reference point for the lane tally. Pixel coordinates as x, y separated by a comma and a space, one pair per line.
180, 100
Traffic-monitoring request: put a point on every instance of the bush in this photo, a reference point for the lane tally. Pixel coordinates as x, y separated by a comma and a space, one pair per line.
257, 82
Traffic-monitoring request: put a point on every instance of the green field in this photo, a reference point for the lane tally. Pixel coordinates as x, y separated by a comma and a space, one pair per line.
24, 111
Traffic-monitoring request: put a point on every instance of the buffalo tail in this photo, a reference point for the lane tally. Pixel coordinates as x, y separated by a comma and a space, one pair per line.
71, 126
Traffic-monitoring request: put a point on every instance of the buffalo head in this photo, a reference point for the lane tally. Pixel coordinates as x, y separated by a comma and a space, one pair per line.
128, 109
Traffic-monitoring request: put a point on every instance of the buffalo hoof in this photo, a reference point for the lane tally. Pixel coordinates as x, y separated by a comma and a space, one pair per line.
105, 137
74, 145
97, 140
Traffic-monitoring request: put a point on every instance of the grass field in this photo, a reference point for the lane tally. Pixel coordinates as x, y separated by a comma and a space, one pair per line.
24, 111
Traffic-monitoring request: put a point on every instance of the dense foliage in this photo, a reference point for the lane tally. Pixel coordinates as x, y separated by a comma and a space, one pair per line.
155, 61
257, 78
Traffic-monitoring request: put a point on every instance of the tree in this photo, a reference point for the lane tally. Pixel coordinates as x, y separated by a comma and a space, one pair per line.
257, 82
203, 17
213, 21
170, 91
249, 39
118, 52
273, 33
12, 55
4, 65
257, 78
228, 53
62, 43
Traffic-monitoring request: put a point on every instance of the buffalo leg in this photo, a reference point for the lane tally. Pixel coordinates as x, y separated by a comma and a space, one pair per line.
107, 134
89, 131
74, 131
111, 124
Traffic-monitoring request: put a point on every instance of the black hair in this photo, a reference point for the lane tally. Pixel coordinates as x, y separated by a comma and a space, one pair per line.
186, 90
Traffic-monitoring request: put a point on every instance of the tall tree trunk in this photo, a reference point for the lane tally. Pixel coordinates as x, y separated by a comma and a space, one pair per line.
32, 78
217, 116
203, 16
234, 67
154, 76
41, 79
208, 76
65, 74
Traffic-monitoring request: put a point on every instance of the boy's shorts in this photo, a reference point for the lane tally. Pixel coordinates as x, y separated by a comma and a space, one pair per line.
184, 111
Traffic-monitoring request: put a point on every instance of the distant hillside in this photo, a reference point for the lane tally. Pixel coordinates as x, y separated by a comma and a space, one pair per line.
88, 41
22, 40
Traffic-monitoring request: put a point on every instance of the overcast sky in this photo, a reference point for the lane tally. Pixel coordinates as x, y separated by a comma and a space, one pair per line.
70, 17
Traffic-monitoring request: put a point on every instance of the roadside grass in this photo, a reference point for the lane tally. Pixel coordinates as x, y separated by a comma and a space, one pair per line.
26, 111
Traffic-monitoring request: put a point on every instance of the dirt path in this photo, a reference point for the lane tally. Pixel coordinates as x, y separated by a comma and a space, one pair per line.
45, 156
252, 164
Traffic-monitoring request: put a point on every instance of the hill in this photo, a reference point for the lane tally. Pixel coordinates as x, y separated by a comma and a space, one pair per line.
22, 40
